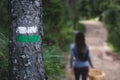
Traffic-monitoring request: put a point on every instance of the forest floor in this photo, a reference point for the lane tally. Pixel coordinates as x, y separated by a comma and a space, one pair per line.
102, 56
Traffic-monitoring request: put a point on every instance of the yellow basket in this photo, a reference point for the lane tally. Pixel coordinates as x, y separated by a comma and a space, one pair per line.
96, 74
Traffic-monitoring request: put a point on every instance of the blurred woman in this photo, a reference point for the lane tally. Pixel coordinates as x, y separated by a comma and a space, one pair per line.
80, 51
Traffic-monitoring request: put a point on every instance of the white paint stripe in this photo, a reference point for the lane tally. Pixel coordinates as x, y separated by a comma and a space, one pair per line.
24, 30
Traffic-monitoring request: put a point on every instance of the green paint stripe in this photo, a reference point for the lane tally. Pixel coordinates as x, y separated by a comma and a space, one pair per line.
23, 38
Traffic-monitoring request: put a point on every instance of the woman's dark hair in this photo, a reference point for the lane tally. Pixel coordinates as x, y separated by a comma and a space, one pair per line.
80, 41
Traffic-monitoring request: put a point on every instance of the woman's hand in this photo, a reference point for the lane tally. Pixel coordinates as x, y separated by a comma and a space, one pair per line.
92, 67
72, 70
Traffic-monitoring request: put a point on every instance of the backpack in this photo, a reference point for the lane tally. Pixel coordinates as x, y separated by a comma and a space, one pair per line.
82, 56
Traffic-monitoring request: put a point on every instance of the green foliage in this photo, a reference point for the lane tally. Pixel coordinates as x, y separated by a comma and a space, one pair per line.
66, 37
115, 49
112, 19
3, 40
3, 13
58, 26
80, 27
88, 8
52, 61
3, 56
52, 10
53, 20
59, 16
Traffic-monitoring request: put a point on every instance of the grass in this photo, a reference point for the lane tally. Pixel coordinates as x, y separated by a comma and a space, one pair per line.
113, 48
3, 53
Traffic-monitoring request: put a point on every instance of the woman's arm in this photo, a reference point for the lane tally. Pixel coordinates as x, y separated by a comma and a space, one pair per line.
89, 59
90, 62
71, 56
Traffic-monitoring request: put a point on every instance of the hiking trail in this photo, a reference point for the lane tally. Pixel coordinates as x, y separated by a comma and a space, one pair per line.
102, 56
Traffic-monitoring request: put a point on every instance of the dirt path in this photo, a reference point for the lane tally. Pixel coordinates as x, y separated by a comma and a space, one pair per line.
102, 57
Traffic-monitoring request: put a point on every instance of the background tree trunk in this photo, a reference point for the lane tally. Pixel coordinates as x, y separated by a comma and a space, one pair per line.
25, 42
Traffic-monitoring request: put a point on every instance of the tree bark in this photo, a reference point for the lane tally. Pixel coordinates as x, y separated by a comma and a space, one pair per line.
25, 40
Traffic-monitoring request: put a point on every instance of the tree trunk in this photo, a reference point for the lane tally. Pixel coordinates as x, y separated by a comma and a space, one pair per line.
25, 40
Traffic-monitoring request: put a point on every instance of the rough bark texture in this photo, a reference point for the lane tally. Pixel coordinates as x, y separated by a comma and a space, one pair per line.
25, 58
